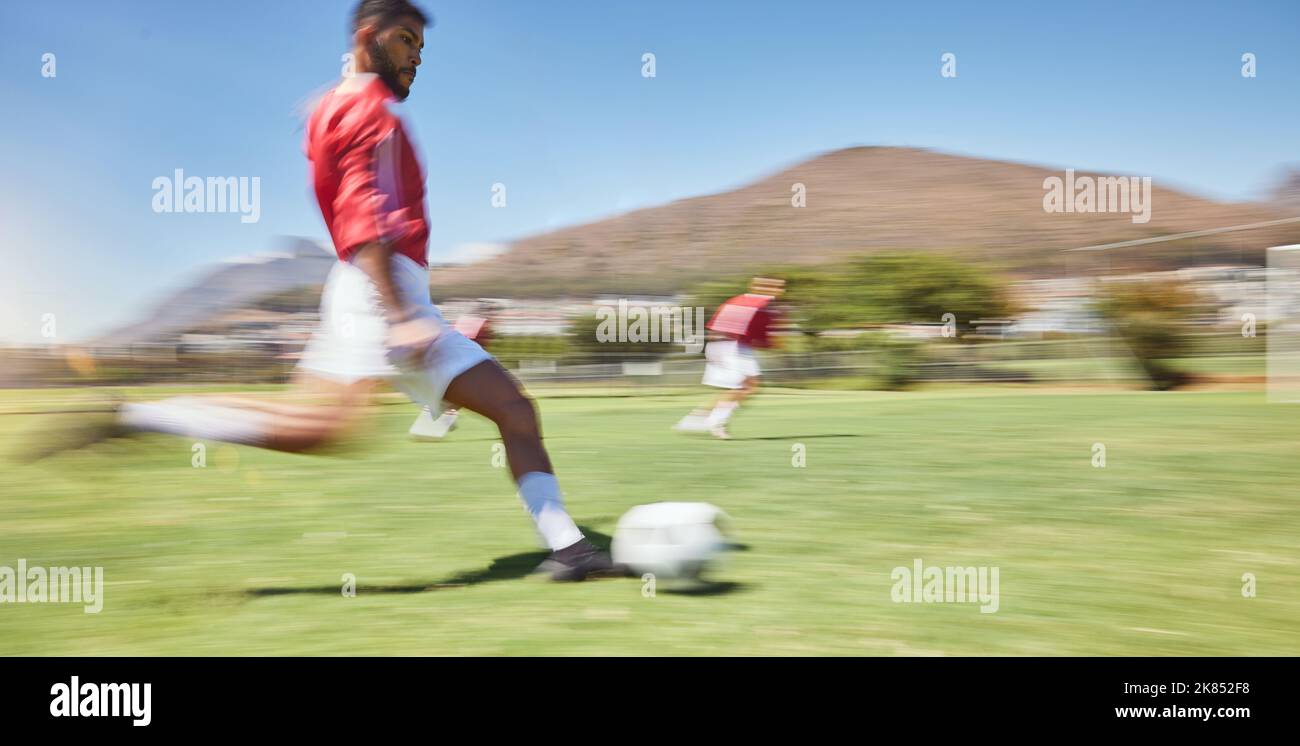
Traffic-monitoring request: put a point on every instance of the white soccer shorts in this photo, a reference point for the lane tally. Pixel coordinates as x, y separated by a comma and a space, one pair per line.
729, 364
349, 345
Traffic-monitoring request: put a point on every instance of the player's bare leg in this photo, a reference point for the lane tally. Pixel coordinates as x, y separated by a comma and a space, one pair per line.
726, 405
489, 390
714, 417
324, 412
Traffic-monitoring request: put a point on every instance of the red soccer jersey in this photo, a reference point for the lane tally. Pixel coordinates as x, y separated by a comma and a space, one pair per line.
367, 176
744, 318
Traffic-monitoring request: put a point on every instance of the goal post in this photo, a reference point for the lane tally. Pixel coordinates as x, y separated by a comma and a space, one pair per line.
1282, 338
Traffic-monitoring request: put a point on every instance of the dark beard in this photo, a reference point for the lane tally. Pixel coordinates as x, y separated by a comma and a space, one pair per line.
387, 71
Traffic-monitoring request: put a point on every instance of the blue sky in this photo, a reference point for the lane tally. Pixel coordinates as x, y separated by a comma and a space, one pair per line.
548, 98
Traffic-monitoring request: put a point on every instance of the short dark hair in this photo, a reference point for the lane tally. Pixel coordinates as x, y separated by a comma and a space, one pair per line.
385, 12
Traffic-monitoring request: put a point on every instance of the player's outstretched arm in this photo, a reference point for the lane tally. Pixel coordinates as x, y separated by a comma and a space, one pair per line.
375, 259
409, 335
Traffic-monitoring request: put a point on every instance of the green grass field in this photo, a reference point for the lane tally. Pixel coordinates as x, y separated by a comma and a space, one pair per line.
245, 556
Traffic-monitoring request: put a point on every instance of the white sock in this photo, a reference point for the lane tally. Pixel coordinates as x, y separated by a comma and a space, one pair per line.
193, 418
541, 495
721, 413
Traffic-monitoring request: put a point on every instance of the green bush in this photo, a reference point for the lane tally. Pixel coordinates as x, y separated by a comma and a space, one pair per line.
586, 345
897, 362
515, 347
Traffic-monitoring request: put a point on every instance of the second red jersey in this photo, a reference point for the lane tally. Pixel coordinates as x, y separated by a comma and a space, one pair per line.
744, 318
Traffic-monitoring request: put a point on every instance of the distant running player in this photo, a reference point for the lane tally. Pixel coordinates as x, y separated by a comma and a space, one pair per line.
476, 326
740, 325
377, 320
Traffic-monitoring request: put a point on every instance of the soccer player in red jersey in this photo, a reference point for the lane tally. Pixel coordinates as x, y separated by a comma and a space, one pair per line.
377, 320
740, 324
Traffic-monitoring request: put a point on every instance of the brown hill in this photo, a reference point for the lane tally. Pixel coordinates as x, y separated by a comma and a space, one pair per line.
859, 200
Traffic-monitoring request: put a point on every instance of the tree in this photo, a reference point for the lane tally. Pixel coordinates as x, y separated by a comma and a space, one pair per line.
1151, 318
922, 287
899, 287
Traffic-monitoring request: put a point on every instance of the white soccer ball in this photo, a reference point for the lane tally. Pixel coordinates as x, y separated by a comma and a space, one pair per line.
670, 540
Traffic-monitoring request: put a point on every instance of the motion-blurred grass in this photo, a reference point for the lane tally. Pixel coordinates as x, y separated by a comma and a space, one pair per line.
245, 556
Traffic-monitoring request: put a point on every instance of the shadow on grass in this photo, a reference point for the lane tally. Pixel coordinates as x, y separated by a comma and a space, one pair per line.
511, 567
802, 437
707, 588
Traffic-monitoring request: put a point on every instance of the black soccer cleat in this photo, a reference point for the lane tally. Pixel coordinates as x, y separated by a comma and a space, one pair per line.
579, 561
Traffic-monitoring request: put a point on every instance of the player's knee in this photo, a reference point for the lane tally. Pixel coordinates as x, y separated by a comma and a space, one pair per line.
319, 434
331, 432
519, 418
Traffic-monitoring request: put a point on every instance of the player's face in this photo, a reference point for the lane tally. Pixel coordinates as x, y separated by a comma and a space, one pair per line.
395, 54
